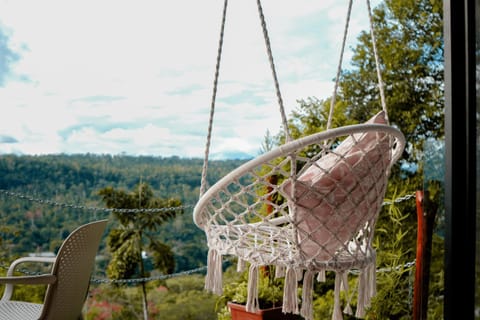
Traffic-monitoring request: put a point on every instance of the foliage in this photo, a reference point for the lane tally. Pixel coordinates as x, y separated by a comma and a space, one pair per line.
126, 243
235, 289
185, 299
109, 303
180, 298
99, 308
270, 289
410, 45
28, 225
409, 38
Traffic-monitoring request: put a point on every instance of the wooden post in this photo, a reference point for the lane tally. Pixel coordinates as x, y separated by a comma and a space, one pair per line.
426, 212
418, 286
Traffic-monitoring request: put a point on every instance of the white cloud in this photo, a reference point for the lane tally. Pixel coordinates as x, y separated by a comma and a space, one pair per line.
116, 76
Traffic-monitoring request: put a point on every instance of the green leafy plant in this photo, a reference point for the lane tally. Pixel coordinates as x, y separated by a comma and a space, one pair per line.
270, 289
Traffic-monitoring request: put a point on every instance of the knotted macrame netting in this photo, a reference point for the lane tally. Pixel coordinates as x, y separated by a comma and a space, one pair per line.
306, 207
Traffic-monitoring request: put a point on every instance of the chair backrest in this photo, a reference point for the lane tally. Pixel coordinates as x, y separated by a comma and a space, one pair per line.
73, 267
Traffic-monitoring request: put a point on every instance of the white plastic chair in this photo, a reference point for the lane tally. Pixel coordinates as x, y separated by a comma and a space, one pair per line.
67, 283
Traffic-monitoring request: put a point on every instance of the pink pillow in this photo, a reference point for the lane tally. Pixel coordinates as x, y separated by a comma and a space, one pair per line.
340, 192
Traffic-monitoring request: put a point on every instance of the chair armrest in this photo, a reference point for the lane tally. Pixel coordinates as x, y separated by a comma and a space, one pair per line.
7, 293
38, 279
18, 261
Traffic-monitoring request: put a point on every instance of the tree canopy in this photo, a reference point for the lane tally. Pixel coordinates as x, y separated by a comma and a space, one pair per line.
409, 40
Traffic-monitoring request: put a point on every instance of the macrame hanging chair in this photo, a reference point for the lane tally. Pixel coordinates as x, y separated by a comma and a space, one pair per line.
306, 207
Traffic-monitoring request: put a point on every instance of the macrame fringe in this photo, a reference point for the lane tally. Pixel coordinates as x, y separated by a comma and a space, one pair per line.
241, 264
345, 286
290, 298
321, 276
280, 272
337, 311
367, 289
307, 296
360, 313
348, 309
213, 280
299, 273
373, 281
252, 304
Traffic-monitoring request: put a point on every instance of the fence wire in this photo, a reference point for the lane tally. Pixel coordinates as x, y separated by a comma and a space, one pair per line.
89, 208
155, 210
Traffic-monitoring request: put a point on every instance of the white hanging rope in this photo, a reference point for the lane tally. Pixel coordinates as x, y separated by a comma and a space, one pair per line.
339, 68
274, 73
377, 62
203, 184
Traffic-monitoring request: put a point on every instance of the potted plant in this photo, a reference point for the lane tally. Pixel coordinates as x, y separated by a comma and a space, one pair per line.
270, 296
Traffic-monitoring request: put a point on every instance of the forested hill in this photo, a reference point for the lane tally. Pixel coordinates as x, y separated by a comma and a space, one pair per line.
44, 197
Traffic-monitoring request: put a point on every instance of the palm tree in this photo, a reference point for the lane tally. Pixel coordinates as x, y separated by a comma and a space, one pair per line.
135, 234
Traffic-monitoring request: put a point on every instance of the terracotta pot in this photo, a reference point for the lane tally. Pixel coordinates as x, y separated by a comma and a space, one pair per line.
238, 312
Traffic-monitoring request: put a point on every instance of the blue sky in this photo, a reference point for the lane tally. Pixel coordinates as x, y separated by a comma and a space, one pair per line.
136, 77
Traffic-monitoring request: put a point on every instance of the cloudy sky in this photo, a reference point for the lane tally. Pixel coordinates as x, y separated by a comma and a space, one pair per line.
136, 77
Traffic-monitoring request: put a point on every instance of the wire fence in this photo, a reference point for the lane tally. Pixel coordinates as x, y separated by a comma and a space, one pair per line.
155, 210
124, 210
89, 208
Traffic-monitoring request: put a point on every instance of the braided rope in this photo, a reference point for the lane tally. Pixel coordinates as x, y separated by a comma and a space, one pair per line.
203, 184
339, 68
377, 64
272, 67
377, 61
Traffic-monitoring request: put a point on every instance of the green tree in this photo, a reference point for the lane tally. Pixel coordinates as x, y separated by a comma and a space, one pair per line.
410, 46
409, 38
184, 298
135, 235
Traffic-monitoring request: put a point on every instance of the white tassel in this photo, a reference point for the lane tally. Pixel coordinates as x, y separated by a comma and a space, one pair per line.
210, 264
374, 280
345, 286
344, 277
279, 271
371, 284
321, 276
213, 280
241, 264
252, 294
307, 296
337, 311
360, 313
348, 309
299, 273
290, 298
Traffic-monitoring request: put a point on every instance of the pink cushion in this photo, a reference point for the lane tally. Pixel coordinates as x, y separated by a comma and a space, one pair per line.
340, 192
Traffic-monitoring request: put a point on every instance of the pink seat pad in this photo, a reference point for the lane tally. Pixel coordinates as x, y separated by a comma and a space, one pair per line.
343, 190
